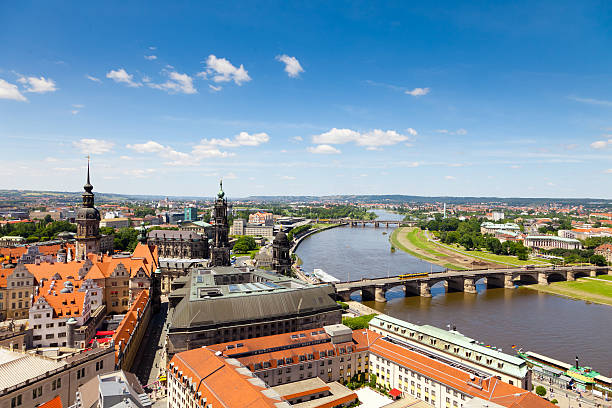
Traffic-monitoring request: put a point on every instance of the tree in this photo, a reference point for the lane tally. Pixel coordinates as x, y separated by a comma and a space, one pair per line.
540, 390
126, 239
598, 260
245, 244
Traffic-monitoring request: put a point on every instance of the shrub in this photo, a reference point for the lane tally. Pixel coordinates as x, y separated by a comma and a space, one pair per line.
554, 401
344, 305
360, 322
540, 390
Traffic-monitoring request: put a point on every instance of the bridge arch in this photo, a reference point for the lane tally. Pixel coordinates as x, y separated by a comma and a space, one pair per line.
439, 287
580, 274
556, 277
526, 279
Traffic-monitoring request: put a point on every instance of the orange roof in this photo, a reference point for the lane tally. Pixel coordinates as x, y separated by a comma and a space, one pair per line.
490, 389
54, 403
126, 327
63, 304
257, 346
604, 247
217, 381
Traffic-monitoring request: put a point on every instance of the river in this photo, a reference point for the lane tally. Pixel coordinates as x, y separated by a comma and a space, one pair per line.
552, 325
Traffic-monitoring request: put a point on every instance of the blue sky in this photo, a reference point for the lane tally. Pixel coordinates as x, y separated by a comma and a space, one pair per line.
308, 98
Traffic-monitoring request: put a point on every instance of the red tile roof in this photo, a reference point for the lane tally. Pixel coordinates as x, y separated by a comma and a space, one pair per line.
217, 380
126, 328
490, 389
54, 403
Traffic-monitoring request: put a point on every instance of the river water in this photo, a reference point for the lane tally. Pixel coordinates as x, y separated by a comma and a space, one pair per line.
555, 326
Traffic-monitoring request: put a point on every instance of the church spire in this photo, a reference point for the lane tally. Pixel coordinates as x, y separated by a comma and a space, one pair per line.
220, 194
88, 187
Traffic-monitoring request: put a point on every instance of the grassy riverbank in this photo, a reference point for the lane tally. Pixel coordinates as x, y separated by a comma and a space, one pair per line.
413, 242
596, 290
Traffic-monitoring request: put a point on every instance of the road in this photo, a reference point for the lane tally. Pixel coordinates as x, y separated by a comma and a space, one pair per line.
151, 356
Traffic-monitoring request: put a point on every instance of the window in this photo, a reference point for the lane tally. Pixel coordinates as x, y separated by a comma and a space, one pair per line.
16, 401
80, 373
99, 365
36, 392
49, 336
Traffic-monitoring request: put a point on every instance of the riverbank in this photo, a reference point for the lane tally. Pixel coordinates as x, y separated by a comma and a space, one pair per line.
312, 232
595, 290
413, 241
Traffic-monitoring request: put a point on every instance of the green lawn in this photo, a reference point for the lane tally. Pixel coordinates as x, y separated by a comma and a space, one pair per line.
417, 239
396, 243
584, 288
504, 259
605, 277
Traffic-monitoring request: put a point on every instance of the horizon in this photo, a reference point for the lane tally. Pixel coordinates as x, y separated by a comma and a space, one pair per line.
444, 100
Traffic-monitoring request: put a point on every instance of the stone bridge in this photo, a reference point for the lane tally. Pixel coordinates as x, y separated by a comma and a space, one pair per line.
465, 281
364, 223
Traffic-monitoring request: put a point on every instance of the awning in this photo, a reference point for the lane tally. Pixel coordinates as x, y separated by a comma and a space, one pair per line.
395, 393
105, 333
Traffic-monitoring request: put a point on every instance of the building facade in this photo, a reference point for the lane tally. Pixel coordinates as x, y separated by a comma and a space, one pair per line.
281, 259
551, 242
179, 244
605, 250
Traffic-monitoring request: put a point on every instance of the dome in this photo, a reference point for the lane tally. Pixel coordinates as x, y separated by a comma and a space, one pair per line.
281, 238
88, 213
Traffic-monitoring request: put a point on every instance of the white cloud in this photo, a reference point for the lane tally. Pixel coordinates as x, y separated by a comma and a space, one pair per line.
409, 164
125, 157
292, 65
223, 71
241, 139
10, 91
51, 160
150, 57
374, 138
418, 91
515, 166
121, 75
411, 132
91, 78
93, 146
152, 48
592, 101
297, 138
74, 111
609, 171
139, 173
288, 177
178, 83
460, 132
78, 106
38, 85
570, 146
323, 149
601, 144
450, 177
215, 88
230, 176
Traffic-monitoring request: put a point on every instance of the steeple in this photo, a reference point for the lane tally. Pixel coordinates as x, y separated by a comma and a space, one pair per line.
220, 194
88, 196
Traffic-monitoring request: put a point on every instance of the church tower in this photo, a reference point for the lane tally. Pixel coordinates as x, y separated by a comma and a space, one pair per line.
281, 260
88, 224
220, 251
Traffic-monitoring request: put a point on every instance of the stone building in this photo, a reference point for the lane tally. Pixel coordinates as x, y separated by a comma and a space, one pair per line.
605, 250
88, 224
281, 260
223, 304
179, 244
220, 251
32, 378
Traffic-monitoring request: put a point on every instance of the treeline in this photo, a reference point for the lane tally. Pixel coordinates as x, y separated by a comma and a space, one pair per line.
295, 232
43, 230
467, 234
577, 256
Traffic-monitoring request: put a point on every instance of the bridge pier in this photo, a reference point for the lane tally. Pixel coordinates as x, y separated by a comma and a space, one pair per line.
379, 294
593, 273
424, 289
376, 224
542, 278
469, 284
508, 281
569, 276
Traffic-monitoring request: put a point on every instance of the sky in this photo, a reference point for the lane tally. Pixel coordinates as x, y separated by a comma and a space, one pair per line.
308, 98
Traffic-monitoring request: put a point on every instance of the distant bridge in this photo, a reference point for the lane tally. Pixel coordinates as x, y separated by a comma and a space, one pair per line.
465, 281
375, 223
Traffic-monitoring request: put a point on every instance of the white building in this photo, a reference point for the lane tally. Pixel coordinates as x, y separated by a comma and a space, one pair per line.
57, 312
551, 242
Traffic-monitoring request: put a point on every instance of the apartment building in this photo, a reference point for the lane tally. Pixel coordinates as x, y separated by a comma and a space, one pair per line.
456, 347
332, 353
29, 379
439, 381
